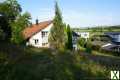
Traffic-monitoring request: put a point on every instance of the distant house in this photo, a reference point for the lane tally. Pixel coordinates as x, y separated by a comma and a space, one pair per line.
37, 34
114, 45
83, 34
115, 37
111, 47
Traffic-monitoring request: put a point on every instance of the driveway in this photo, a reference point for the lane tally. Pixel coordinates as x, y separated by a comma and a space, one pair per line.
110, 62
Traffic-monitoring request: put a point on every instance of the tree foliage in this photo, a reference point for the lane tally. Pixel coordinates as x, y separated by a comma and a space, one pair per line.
82, 42
57, 34
12, 22
20, 23
69, 37
8, 11
10, 8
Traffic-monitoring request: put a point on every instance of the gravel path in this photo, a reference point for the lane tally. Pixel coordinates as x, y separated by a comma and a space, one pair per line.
111, 62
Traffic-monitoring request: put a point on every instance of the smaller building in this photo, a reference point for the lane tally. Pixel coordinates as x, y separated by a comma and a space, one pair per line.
111, 47
83, 34
114, 36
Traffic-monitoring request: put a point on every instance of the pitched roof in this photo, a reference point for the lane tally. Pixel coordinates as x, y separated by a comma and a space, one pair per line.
75, 34
112, 33
35, 28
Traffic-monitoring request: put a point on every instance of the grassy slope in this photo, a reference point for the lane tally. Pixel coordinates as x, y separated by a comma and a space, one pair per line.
20, 63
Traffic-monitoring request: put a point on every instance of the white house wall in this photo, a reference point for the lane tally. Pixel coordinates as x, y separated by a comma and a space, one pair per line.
83, 34
45, 39
32, 40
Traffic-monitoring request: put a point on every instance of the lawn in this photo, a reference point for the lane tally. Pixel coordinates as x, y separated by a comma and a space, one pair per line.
26, 63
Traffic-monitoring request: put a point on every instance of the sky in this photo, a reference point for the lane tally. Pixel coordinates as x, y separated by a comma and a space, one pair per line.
77, 13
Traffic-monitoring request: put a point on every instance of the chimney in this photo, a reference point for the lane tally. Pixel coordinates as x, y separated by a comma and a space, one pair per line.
37, 21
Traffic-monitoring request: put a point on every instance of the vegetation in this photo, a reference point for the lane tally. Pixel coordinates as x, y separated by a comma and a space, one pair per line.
41, 64
26, 63
57, 35
12, 22
81, 42
115, 28
69, 37
21, 22
9, 11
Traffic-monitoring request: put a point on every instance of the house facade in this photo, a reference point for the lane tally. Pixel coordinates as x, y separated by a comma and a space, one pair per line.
83, 34
37, 34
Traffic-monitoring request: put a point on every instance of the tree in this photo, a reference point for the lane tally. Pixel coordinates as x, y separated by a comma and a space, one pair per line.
57, 33
88, 46
9, 10
21, 22
82, 42
69, 36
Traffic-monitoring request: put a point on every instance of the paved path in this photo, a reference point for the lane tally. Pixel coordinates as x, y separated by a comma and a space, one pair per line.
111, 62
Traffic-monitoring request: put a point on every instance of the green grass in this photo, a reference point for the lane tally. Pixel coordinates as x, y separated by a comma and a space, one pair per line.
23, 63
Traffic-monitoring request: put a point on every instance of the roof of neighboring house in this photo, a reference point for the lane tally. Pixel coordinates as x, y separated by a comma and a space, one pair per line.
112, 33
75, 34
35, 28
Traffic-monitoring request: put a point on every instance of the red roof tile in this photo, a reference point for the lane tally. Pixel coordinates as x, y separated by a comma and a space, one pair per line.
35, 28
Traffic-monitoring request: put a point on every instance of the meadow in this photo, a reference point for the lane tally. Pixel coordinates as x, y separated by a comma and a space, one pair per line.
28, 63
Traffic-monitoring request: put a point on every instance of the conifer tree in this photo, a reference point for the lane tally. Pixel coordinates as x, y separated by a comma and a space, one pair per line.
69, 35
57, 34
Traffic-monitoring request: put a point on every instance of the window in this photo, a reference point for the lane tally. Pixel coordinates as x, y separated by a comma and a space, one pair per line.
85, 34
44, 44
44, 33
36, 41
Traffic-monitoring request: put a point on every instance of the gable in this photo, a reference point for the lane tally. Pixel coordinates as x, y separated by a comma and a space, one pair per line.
35, 28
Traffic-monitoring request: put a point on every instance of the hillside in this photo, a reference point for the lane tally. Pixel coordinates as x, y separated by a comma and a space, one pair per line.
23, 63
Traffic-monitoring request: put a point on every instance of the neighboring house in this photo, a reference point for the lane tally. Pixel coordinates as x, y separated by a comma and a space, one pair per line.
83, 34
75, 38
115, 42
111, 47
37, 34
115, 37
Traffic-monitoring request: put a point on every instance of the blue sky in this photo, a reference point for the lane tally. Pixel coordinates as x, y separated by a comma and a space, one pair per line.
77, 13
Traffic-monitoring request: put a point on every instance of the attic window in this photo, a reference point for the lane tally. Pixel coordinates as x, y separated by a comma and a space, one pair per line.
44, 33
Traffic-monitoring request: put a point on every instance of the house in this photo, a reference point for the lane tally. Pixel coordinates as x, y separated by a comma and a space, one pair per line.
83, 34
114, 36
75, 38
37, 34
111, 47
114, 45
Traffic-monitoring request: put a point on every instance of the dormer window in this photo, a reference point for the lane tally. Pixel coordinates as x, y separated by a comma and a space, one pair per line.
44, 33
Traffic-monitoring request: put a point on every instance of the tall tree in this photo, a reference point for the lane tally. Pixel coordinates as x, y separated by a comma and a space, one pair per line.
57, 34
18, 25
9, 10
69, 35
